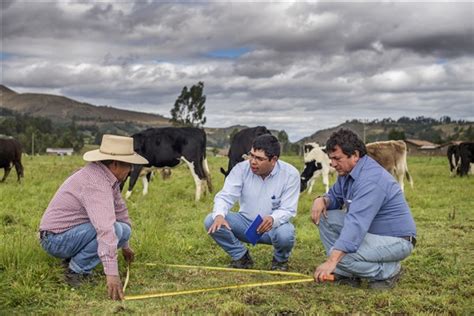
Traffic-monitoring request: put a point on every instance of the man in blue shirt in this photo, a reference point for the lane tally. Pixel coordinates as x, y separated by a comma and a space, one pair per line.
265, 186
366, 227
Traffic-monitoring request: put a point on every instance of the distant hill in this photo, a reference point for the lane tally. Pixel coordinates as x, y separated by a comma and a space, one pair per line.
62, 109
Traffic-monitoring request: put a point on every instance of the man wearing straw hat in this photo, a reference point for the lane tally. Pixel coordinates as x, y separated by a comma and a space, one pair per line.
87, 219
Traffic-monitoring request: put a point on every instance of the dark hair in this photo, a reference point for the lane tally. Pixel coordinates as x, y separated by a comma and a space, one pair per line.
348, 141
269, 144
108, 162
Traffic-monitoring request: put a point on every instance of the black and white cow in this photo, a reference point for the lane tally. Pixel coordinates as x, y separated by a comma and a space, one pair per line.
10, 155
168, 147
466, 154
453, 158
241, 144
316, 163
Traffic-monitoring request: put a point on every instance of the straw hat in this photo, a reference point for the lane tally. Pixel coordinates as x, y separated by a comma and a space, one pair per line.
115, 147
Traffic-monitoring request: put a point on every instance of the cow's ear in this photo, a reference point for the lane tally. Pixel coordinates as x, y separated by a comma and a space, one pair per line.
324, 149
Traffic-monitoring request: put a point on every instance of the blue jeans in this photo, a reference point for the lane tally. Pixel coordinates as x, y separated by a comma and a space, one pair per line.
377, 258
282, 238
80, 244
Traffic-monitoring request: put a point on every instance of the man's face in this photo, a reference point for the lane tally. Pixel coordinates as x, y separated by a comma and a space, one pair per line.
341, 162
260, 164
120, 170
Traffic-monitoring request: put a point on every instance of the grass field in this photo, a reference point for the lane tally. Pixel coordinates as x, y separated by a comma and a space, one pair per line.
168, 228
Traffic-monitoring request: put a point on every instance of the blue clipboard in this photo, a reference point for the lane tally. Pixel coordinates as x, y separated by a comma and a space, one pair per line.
251, 232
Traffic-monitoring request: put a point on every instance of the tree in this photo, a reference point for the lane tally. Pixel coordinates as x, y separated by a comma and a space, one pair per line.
396, 135
283, 139
189, 107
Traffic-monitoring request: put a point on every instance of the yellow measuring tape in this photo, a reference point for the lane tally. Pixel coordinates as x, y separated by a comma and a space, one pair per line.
303, 278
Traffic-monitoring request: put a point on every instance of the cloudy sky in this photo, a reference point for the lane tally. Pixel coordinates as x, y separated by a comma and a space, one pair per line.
297, 66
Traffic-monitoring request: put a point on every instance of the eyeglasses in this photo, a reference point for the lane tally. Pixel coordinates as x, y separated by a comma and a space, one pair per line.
257, 158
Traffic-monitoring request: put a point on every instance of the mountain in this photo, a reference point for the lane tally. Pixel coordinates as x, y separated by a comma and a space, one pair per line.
62, 109
436, 131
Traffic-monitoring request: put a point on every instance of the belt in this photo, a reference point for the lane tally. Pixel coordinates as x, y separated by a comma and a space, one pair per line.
411, 239
44, 233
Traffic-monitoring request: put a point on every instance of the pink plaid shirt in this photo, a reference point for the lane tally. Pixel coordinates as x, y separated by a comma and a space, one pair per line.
91, 194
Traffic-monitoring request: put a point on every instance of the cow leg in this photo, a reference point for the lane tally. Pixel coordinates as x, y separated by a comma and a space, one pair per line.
207, 172
325, 176
19, 170
310, 185
133, 179
400, 177
197, 180
145, 185
7, 171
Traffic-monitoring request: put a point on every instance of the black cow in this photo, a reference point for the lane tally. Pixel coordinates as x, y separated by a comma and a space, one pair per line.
241, 144
453, 157
167, 147
466, 153
10, 154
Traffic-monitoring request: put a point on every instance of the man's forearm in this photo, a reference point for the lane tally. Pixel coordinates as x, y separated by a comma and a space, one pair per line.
336, 256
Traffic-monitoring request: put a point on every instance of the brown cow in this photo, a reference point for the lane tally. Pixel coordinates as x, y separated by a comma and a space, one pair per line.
392, 155
10, 154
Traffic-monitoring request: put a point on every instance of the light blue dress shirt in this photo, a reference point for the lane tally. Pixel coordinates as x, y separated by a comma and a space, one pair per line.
276, 195
374, 203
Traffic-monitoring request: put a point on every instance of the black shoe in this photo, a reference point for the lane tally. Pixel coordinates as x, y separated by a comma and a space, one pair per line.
75, 279
245, 262
387, 283
279, 265
345, 280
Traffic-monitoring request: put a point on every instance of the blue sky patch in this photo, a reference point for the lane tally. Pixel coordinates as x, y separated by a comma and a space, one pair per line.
5, 56
229, 53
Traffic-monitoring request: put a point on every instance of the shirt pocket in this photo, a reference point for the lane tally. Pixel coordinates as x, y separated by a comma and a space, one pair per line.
276, 202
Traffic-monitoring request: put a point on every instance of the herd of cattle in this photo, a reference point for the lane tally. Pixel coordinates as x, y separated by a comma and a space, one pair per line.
167, 147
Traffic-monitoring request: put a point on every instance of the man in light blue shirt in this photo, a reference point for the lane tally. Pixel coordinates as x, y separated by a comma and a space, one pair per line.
265, 186
366, 227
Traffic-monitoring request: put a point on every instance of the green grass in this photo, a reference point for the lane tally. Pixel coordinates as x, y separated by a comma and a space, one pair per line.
168, 228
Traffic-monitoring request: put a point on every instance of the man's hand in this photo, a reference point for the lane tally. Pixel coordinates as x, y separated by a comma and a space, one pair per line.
318, 208
266, 225
323, 271
218, 222
128, 254
114, 287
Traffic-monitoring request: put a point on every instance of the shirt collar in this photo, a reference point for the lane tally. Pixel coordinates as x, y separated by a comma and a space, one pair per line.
108, 174
355, 173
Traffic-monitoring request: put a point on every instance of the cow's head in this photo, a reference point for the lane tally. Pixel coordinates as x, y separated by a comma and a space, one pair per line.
310, 168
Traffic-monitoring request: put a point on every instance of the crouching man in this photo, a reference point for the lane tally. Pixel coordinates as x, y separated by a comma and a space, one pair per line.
87, 219
364, 221
263, 185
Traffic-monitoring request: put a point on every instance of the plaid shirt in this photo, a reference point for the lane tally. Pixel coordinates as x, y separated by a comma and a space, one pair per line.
91, 194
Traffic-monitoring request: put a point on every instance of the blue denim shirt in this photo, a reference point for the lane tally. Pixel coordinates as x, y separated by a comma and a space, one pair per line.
375, 203
276, 195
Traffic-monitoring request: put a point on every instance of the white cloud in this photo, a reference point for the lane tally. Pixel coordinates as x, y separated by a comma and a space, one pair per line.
305, 66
